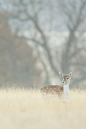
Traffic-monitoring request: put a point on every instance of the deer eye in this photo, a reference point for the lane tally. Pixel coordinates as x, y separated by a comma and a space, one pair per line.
67, 78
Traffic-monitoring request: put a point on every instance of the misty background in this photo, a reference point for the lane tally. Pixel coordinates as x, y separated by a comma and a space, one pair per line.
39, 39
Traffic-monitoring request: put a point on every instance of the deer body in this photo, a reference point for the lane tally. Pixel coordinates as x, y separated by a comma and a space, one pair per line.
61, 91
51, 90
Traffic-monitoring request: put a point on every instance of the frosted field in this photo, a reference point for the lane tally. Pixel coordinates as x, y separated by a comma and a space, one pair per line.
26, 109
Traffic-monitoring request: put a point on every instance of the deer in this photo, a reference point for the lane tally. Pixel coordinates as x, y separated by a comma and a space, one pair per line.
62, 91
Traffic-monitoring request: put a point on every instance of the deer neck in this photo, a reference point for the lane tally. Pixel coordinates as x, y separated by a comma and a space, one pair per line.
66, 90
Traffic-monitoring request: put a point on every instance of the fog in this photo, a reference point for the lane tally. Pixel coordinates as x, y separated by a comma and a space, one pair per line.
39, 39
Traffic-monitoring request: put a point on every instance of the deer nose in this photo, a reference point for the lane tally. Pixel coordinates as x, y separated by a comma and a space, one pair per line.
63, 82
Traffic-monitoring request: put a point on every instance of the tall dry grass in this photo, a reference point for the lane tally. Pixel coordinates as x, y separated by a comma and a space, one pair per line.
26, 109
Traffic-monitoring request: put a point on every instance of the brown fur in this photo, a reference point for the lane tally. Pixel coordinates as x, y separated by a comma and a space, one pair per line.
52, 89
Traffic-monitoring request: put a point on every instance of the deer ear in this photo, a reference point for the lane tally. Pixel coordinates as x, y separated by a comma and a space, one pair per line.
60, 74
70, 74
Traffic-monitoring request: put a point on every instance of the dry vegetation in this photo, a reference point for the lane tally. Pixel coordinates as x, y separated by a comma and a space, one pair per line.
26, 109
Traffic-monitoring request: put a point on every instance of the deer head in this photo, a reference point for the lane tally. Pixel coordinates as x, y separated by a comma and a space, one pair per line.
66, 78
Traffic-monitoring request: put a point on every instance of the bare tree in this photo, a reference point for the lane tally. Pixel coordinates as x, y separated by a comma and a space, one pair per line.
37, 16
18, 65
75, 21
